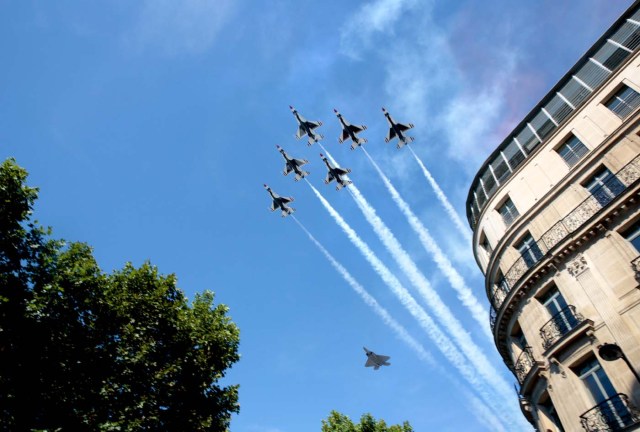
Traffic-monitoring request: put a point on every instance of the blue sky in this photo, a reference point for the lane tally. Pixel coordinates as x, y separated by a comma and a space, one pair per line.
150, 127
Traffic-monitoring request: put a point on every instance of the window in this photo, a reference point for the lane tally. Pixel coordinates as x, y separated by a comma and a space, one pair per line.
633, 235
508, 212
572, 150
547, 408
604, 186
529, 250
484, 243
624, 101
563, 318
613, 412
519, 339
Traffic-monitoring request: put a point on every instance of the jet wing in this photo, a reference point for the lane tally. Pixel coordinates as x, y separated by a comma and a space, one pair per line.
381, 358
300, 162
329, 178
301, 132
344, 135
274, 205
355, 129
369, 363
391, 135
404, 127
312, 125
287, 169
341, 171
286, 200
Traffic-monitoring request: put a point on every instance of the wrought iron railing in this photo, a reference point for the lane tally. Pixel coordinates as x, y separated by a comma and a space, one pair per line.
573, 221
635, 265
492, 318
559, 325
614, 414
524, 364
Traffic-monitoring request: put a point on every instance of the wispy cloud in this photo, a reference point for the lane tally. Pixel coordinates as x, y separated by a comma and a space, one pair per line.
177, 27
371, 18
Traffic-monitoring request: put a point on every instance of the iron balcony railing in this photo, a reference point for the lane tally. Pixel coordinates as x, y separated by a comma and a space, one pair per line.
599, 199
559, 325
635, 265
524, 364
492, 317
614, 414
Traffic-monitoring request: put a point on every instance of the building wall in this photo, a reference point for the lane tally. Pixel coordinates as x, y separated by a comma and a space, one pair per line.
590, 266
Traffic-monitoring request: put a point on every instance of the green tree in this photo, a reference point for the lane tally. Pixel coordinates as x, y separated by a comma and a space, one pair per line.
85, 350
337, 422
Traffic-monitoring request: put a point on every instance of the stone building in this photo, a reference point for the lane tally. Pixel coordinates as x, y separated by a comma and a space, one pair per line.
556, 223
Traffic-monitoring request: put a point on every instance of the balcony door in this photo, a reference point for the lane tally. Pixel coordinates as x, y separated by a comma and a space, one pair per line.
609, 406
559, 310
529, 251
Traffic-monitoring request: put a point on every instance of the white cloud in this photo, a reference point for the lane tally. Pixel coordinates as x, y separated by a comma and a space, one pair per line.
185, 26
375, 17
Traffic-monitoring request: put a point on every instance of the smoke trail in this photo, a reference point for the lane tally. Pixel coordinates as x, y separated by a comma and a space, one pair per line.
439, 308
479, 408
441, 341
465, 295
462, 228
400, 331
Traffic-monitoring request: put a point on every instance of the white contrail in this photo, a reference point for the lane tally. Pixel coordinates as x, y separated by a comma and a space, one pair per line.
478, 407
441, 341
460, 225
465, 295
437, 306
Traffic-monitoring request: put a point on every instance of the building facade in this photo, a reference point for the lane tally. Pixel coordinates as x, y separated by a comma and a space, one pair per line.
556, 223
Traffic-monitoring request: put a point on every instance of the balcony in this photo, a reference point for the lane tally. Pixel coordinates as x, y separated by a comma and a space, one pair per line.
614, 414
524, 364
635, 265
560, 325
575, 220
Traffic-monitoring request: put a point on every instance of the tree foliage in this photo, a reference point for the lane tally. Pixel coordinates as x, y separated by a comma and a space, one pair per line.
85, 350
337, 422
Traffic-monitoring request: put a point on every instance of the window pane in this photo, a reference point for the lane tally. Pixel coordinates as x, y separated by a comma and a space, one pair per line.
527, 139
624, 101
542, 124
575, 92
572, 150
529, 250
500, 169
514, 155
509, 212
633, 235
558, 109
604, 186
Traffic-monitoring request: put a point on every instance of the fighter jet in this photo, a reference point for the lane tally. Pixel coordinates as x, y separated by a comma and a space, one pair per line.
396, 130
280, 202
293, 165
306, 127
350, 131
375, 360
336, 174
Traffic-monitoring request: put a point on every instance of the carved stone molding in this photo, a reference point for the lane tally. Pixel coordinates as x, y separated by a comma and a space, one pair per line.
577, 266
556, 368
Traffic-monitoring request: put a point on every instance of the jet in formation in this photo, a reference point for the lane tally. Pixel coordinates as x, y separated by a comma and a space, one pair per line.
397, 130
306, 127
336, 174
293, 165
280, 202
376, 360
351, 132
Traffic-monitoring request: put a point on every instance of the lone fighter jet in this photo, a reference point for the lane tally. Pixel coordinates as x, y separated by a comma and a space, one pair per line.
376, 360
336, 174
306, 127
293, 165
396, 130
350, 131
280, 202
